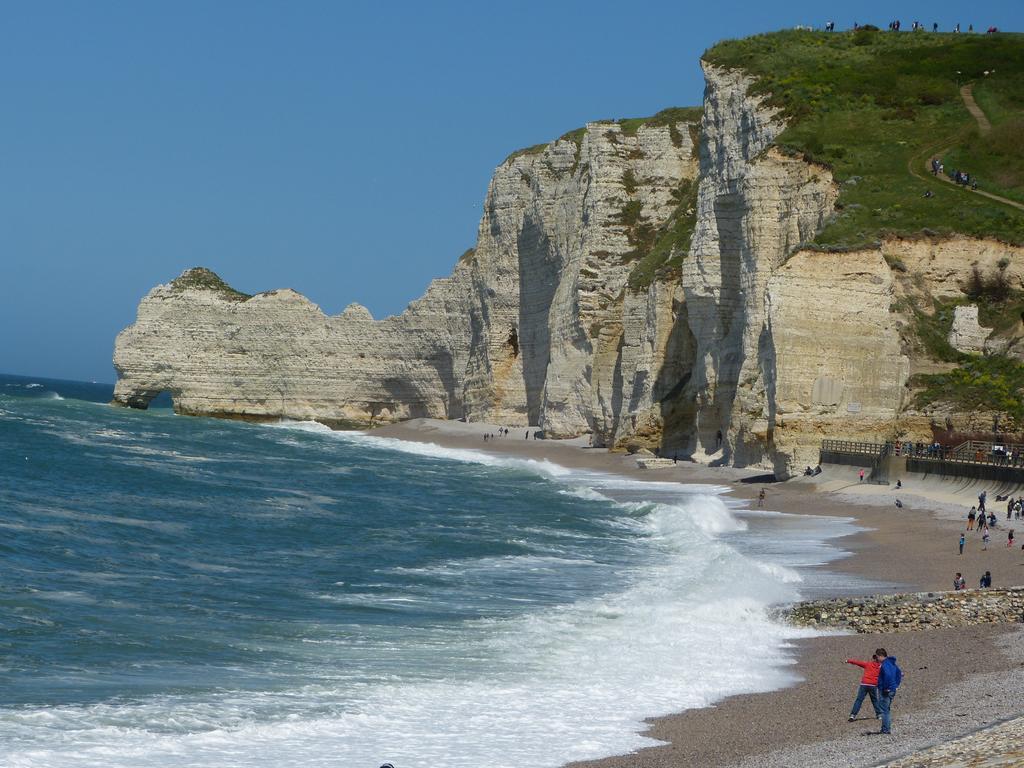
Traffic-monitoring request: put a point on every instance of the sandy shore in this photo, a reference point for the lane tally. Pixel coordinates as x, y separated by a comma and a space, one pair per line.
958, 680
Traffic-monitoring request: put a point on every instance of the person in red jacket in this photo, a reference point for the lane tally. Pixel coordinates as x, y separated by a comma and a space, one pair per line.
868, 685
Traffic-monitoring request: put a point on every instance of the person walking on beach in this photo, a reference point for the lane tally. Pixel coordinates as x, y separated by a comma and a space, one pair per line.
760, 498
862, 475
981, 501
868, 686
984, 539
970, 519
889, 678
963, 539
958, 582
1009, 538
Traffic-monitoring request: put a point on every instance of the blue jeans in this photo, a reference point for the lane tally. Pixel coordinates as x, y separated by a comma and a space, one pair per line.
865, 690
884, 703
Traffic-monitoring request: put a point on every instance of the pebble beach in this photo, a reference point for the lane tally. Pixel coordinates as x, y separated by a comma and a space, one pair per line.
959, 681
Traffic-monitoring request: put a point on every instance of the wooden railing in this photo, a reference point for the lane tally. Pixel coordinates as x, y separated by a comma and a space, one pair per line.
850, 446
972, 452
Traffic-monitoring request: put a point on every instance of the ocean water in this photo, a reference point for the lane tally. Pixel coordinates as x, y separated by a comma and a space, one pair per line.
191, 592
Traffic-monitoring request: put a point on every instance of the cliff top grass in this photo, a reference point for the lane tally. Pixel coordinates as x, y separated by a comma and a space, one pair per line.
203, 279
874, 106
670, 117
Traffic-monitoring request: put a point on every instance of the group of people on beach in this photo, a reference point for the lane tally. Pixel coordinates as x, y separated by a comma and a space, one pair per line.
879, 682
1014, 507
960, 584
503, 432
986, 520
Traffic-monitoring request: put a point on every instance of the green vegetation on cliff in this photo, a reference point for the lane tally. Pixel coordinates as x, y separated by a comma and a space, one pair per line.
202, 279
661, 252
993, 383
629, 127
876, 106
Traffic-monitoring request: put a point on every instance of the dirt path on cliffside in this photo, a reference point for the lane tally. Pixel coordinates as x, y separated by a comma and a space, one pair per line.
920, 164
967, 94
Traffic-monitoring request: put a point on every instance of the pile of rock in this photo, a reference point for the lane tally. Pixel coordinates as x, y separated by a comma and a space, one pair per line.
912, 611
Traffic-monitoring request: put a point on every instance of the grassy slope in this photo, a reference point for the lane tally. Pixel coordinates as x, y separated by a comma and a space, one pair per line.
875, 105
998, 157
871, 105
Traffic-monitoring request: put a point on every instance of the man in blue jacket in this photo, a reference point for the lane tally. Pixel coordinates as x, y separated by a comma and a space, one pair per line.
889, 678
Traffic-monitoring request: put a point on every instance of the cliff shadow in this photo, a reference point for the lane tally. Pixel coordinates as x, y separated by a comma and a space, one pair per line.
539, 269
671, 387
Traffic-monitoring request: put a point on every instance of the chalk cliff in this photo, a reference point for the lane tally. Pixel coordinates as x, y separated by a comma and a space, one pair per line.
586, 306
536, 325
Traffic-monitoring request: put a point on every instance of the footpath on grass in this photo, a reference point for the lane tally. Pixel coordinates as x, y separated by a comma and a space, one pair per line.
984, 126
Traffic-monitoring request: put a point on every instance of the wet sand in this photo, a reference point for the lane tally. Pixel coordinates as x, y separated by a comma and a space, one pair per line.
957, 680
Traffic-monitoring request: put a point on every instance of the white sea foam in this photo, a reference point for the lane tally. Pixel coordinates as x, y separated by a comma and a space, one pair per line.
585, 493
565, 683
428, 450
685, 626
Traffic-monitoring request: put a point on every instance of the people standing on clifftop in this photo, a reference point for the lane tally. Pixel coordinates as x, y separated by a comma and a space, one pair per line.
868, 686
889, 678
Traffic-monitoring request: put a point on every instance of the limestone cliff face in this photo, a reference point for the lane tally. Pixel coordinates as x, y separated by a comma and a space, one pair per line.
585, 307
277, 355
558, 338
755, 207
535, 326
790, 345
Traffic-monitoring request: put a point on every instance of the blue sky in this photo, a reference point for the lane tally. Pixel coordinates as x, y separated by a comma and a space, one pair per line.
341, 149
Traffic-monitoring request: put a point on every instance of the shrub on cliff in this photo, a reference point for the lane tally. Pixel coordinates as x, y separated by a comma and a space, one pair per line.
203, 279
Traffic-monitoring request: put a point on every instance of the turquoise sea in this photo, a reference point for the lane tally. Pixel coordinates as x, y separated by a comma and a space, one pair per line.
181, 591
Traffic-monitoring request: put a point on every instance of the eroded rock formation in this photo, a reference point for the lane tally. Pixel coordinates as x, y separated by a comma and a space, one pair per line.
586, 308
536, 325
